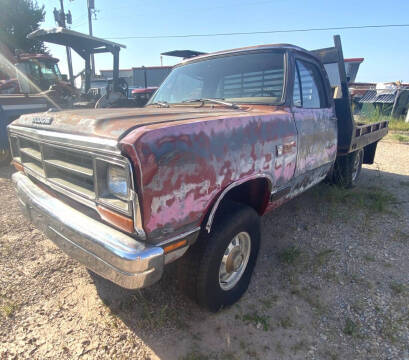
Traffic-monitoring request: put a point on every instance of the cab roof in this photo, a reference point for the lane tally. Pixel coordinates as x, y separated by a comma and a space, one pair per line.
245, 49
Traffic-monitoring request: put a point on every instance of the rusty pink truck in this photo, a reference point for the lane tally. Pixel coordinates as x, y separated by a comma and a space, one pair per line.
227, 137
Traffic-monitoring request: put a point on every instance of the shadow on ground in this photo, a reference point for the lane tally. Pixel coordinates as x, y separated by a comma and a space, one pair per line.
164, 309
6, 171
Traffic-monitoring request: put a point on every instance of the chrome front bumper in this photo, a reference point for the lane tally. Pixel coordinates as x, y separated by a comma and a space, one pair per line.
104, 250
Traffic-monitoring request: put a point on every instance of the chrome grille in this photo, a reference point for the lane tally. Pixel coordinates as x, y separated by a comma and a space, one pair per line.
69, 168
78, 173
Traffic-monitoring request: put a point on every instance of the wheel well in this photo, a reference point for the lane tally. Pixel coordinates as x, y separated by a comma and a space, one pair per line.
254, 193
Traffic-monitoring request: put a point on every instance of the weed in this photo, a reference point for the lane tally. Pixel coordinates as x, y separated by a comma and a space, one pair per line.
289, 255
322, 257
256, 319
312, 299
390, 330
354, 278
194, 355
369, 258
8, 308
227, 355
301, 345
279, 348
330, 355
285, 322
350, 328
268, 302
397, 288
398, 125
358, 306
400, 236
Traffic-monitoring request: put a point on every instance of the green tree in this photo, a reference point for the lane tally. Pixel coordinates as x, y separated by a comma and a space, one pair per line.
17, 19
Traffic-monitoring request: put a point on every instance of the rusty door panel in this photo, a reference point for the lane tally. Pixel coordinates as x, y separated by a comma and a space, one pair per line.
317, 138
185, 166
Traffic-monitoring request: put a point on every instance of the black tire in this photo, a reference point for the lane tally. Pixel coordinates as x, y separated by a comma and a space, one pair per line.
200, 267
347, 169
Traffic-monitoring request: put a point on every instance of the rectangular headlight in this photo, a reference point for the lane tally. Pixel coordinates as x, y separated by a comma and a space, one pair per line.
117, 181
114, 185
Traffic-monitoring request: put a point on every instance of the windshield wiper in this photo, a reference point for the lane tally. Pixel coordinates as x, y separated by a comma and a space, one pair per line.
160, 104
216, 101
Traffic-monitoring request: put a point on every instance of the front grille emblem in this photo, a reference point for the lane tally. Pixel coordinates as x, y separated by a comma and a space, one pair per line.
42, 120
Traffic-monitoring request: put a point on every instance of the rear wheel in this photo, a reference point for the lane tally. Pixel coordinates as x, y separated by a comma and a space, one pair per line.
347, 169
221, 263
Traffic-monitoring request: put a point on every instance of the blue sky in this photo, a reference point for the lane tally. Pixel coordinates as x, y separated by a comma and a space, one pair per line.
386, 51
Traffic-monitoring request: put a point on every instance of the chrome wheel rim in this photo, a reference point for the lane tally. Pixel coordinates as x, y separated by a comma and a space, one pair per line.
234, 260
357, 163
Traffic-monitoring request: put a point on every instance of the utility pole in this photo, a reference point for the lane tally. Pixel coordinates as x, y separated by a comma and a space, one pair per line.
91, 7
59, 17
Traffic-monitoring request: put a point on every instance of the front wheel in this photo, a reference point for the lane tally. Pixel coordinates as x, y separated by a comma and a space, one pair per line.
225, 258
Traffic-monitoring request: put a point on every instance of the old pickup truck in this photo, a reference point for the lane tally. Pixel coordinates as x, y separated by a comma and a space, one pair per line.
227, 137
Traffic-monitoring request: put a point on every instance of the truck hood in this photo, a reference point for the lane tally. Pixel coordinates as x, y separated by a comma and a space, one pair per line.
116, 123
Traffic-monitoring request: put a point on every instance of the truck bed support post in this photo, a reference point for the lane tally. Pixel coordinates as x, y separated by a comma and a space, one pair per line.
115, 72
87, 72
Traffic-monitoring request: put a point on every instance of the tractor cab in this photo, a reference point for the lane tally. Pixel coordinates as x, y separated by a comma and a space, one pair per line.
37, 72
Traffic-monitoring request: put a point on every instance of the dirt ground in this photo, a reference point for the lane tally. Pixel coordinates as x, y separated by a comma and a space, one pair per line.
331, 282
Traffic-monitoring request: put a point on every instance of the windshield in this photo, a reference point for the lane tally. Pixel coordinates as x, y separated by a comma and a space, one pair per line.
49, 71
255, 78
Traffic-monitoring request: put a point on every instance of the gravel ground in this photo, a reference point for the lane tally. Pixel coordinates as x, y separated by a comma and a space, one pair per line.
331, 282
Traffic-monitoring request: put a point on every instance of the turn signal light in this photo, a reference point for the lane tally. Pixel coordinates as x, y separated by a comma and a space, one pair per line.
174, 246
120, 221
17, 166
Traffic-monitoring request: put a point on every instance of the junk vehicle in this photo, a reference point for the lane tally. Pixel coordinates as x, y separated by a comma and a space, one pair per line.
31, 82
227, 137
37, 84
116, 93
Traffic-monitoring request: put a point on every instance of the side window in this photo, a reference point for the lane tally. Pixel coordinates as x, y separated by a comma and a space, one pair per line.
297, 89
312, 88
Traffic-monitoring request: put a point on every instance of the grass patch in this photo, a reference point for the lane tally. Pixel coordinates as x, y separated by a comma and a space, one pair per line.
398, 125
400, 137
310, 298
397, 288
350, 328
289, 255
395, 124
371, 199
257, 320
